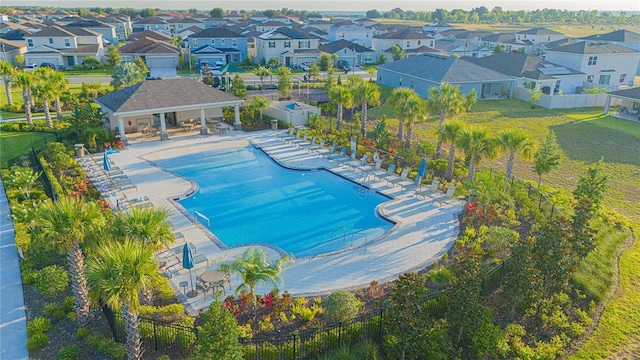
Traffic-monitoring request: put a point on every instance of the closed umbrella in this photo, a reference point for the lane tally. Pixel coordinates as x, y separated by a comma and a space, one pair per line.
187, 263
106, 164
422, 172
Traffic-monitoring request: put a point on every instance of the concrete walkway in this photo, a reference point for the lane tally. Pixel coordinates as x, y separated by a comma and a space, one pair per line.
425, 227
13, 321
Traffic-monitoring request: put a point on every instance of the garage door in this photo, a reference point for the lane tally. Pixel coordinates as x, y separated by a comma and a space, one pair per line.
165, 62
42, 59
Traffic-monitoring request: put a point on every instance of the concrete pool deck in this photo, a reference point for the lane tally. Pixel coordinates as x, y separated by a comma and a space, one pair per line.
425, 228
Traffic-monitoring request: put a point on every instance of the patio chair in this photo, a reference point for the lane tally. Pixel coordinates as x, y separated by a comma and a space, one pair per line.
300, 141
316, 147
368, 170
400, 180
362, 162
309, 144
339, 155
328, 152
390, 172
431, 190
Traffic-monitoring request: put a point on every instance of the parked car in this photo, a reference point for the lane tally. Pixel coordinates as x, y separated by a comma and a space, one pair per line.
30, 67
343, 65
304, 66
49, 65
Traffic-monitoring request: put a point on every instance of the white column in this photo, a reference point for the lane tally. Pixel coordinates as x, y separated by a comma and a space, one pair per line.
121, 128
607, 104
203, 125
237, 125
163, 127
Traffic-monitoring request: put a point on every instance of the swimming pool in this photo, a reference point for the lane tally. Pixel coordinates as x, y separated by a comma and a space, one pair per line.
249, 199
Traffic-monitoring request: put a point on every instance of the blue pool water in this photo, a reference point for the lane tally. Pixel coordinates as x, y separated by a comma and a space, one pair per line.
250, 199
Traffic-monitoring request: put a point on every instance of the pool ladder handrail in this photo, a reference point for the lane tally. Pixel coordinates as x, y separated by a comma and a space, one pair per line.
344, 233
366, 239
197, 214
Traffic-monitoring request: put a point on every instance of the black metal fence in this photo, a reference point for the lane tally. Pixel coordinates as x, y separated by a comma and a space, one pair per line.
158, 337
310, 343
494, 277
36, 148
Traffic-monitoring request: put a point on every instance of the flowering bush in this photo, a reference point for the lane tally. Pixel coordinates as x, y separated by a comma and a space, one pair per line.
266, 300
233, 308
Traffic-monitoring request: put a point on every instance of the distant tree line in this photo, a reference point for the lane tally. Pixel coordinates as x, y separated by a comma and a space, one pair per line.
498, 15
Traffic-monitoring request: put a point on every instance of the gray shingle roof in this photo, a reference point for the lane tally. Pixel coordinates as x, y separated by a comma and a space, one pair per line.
51, 31
617, 36
520, 65
216, 32
162, 94
438, 68
593, 47
539, 31
633, 93
336, 46
404, 35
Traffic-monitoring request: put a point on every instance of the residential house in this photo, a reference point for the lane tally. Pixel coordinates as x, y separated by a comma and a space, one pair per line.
436, 28
122, 24
108, 31
532, 72
15, 35
606, 64
59, 14
165, 17
150, 34
624, 38
178, 25
63, 47
505, 42
354, 33
423, 72
152, 23
271, 25
289, 46
462, 48
406, 40
212, 44
536, 39
160, 57
353, 53
9, 49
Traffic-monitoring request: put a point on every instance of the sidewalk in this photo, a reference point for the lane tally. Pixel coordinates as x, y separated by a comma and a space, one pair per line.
13, 322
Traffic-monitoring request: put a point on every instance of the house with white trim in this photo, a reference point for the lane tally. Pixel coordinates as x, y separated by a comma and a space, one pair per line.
289, 46
63, 47
218, 44
351, 32
406, 40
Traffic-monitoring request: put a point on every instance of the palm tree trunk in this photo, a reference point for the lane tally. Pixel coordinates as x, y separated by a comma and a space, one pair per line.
512, 157
47, 113
472, 168
539, 181
407, 143
443, 117
58, 109
32, 100
339, 117
363, 126
79, 286
400, 129
132, 327
450, 162
7, 88
27, 107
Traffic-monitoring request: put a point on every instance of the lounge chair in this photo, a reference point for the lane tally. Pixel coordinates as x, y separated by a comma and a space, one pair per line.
359, 164
328, 152
390, 172
317, 147
349, 159
300, 141
339, 155
284, 134
431, 190
295, 134
372, 170
309, 144
400, 180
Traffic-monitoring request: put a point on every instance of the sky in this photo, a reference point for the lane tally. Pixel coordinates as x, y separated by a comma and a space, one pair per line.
333, 5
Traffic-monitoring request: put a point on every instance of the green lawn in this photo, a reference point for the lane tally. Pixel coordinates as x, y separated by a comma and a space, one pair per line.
584, 136
14, 144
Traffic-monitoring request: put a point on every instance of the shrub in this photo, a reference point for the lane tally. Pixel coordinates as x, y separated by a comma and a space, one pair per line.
219, 335
342, 305
52, 280
441, 276
37, 341
107, 346
38, 325
306, 313
54, 312
265, 324
82, 333
68, 353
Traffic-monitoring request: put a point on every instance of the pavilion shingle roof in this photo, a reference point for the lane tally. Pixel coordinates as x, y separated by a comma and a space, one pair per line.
162, 94
633, 93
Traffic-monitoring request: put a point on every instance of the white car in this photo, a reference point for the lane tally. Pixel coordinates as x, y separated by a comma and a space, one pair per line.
305, 66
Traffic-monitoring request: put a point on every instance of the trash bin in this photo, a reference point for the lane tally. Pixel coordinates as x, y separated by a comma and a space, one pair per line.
274, 125
79, 150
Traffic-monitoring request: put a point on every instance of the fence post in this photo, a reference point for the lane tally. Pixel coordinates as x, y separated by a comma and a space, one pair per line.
155, 336
553, 207
529, 192
540, 203
339, 333
294, 346
380, 323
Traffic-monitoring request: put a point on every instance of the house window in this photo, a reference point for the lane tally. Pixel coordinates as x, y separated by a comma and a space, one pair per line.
67, 43
213, 41
368, 57
195, 42
431, 44
604, 79
518, 38
400, 81
30, 42
341, 35
589, 78
222, 41
557, 87
408, 43
419, 42
623, 77
548, 38
304, 44
50, 40
592, 60
234, 42
411, 86
272, 44
287, 44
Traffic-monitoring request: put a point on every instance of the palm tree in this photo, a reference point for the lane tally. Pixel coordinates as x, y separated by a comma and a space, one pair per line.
445, 101
450, 134
408, 107
24, 80
366, 93
256, 267
147, 226
43, 90
59, 86
261, 72
68, 225
515, 141
7, 70
342, 97
261, 104
117, 273
476, 144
